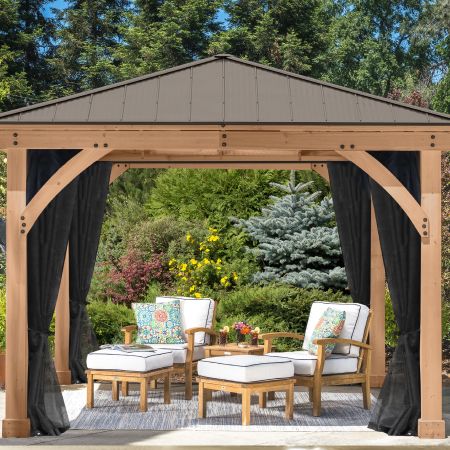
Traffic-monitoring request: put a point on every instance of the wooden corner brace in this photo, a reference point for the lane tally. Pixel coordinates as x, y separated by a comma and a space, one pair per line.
390, 183
66, 174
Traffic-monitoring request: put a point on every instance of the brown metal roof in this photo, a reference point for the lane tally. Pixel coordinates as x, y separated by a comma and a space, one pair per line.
223, 89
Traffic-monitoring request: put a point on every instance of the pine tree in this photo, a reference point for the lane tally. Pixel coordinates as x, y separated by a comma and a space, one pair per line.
296, 240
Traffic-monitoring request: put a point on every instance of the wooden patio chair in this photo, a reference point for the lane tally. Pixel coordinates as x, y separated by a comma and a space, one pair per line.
198, 319
349, 363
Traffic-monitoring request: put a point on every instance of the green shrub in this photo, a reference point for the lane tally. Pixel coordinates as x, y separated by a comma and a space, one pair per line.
273, 308
107, 320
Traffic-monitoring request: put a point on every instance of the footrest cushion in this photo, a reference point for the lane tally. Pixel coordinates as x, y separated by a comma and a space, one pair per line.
245, 368
108, 359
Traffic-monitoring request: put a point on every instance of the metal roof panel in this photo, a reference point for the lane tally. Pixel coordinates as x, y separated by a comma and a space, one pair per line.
76, 110
307, 104
174, 97
107, 106
207, 92
240, 93
340, 106
273, 97
141, 101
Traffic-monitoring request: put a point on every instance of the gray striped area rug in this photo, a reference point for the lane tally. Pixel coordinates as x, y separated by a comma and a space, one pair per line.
340, 412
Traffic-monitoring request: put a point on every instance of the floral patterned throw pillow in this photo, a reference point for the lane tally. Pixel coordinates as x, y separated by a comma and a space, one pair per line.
329, 326
159, 323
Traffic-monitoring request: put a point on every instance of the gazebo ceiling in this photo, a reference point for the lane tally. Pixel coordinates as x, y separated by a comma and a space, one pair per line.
224, 89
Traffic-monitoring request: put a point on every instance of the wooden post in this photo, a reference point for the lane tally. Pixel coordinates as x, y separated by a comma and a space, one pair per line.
62, 327
430, 423
377, 291
16, 422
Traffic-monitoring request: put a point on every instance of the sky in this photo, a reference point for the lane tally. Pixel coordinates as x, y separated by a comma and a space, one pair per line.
61, 4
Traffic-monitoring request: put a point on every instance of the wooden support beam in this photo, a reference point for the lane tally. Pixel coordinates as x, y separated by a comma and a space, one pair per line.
430, 423
322, 170
379, 173
377, 293
117, 170
16, 422
62, 327
59, 181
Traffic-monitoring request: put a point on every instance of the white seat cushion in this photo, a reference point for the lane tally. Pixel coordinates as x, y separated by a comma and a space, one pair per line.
245, 368
108, 359
195, 313
355, 323
305, 363
179, 351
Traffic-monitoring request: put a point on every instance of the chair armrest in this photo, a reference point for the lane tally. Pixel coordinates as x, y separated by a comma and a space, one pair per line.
128, 331
191, 331
269, 337
326, 341
281, 334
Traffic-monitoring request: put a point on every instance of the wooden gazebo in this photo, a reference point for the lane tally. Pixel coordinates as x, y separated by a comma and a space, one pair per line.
223, 112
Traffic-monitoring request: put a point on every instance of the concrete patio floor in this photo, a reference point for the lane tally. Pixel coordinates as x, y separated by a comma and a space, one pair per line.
188, 439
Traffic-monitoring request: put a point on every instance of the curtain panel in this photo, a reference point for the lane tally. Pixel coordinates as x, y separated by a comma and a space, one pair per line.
398, 407
46, 246
350, 191
84, 239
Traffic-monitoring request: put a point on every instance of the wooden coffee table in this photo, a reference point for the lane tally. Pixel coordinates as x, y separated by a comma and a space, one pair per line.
233, 349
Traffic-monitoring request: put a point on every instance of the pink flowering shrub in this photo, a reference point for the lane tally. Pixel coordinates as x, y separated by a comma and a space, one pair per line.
127, 282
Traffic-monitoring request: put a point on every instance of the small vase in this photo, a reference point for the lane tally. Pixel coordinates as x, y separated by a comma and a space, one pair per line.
254, 340
223, 338
239, 337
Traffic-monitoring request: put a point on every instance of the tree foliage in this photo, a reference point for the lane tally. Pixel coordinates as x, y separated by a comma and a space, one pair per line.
296, 240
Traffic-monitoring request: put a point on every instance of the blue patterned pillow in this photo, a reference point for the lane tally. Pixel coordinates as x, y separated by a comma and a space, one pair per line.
159, 323
329, 326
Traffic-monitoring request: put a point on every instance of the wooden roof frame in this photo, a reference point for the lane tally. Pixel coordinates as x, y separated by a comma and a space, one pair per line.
223, 145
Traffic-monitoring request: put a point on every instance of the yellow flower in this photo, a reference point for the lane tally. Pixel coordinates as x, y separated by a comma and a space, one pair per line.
226, 329
207, 250
172, 262
188, 237
205, 261
192, 289
184, 279
223, 280
257, 330
212, 230
213, 238
235, 276
218, 261
198, 295
183, 267
193, 261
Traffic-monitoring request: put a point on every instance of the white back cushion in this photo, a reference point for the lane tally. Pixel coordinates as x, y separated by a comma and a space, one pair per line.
355, 323
195, 312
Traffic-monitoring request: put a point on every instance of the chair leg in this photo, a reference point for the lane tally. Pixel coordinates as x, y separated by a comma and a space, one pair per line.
246, 397
154, 384
310, 392
317, 398
262, 399
115, 390
188, 382
290, 403
366, 393
271, 395
90, 391
167, 389
201, 401
144, 394
125, 388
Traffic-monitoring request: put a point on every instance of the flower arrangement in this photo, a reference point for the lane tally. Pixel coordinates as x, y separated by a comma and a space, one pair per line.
254, 335
242, 329
203, 271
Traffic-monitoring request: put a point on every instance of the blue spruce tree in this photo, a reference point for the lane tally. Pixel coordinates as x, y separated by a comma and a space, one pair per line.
296, 240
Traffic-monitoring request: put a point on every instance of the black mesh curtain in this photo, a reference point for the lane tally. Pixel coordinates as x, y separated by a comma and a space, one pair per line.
398, 406
83, 244
47, 243
351, 199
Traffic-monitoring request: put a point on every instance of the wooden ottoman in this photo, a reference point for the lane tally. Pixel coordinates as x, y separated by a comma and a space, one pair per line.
246, 375
128, 367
